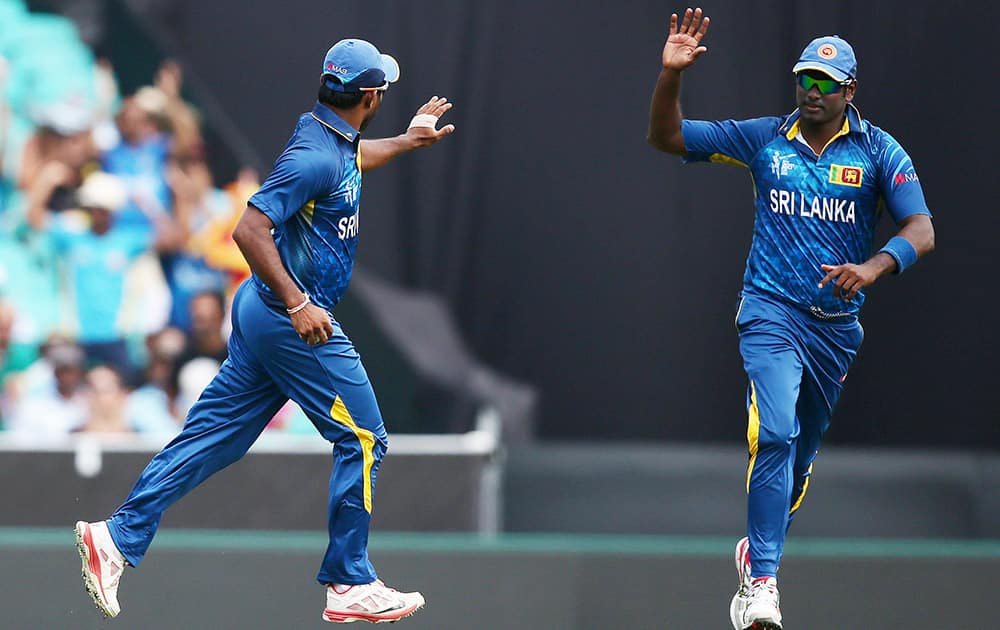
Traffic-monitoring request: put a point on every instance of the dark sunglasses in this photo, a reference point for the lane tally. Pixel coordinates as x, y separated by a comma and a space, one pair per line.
825, 86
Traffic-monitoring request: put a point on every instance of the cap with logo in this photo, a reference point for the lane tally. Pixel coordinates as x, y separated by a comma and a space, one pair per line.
831, 55
357, 64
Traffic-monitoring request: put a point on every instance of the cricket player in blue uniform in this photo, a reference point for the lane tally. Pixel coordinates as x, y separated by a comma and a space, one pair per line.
821, 176
299, 235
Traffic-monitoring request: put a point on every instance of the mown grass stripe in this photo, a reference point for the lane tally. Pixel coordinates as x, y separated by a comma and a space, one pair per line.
263, 541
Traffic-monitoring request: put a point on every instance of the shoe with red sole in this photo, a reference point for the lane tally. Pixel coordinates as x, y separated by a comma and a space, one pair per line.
374, 602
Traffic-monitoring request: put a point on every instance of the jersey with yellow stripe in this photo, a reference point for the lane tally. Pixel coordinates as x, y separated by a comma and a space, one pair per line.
811, 209
313, 197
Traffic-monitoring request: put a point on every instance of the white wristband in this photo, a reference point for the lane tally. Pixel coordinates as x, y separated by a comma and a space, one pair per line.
296, 309
424, 120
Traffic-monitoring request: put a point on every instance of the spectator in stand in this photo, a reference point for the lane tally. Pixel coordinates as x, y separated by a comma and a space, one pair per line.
151, 406
205, 351
140, 159
97, 254
53, 166
38, 377
198, 203
185, 127
49, 413
154, 124
192, 378
106, 403
216, 240
208, 314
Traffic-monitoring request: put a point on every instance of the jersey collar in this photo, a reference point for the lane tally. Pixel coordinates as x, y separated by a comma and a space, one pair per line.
326, 116
852, 123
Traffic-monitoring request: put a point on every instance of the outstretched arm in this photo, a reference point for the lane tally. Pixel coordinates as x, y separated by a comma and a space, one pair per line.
681, 50
848, 279
421, 133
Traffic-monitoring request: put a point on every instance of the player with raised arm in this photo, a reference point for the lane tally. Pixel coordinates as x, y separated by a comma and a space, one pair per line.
299, 234
821, 175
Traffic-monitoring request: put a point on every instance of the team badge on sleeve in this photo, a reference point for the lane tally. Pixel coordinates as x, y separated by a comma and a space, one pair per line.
846, 175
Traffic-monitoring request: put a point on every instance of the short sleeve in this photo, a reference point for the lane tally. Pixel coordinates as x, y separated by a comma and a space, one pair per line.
732, 141
300, 175
898, 181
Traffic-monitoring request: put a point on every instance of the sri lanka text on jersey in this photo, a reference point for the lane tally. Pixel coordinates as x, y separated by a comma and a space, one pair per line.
826, 208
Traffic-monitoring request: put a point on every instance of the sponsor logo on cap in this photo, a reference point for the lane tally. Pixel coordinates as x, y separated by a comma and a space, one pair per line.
846, 175
331, 67
827, 51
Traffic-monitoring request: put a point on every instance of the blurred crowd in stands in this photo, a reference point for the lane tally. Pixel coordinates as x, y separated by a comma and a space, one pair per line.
117, 264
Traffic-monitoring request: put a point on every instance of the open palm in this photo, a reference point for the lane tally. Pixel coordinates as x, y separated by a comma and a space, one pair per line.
684, 44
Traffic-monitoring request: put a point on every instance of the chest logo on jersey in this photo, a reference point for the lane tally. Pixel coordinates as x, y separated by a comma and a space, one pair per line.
846, 175
781, 163
351, 193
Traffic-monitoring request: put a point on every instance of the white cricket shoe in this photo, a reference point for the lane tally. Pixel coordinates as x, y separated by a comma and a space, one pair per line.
103, 565
739, 603
762, 611
374, 602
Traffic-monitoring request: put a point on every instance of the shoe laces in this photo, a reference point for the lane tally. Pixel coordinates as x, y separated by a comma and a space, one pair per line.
764, 590
372, 597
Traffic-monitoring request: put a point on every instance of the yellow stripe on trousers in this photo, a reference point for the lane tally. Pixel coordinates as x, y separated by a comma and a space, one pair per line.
341, 415
753, 431
805, 487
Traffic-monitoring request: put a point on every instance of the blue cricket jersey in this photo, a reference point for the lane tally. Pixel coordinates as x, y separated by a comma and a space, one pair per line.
811, 210
312, 196
142, 168
96, 266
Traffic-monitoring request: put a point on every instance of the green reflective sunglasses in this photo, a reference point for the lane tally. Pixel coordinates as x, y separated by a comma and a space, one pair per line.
825, 86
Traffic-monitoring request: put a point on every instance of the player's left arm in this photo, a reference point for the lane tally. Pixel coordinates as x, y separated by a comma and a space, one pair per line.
904, 198
917, 230
422, 132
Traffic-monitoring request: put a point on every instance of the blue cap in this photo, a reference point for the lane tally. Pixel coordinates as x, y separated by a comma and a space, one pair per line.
830, 55
358, 64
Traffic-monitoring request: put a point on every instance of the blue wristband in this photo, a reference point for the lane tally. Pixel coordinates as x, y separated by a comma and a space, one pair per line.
901, 251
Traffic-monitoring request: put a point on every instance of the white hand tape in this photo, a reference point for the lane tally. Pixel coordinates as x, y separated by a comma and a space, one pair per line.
424, 120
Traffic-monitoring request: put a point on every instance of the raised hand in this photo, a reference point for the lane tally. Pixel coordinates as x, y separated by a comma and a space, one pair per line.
423, 127
169, 79
684, 44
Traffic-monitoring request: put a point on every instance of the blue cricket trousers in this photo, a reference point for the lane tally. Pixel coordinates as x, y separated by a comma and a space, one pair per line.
268, 364
796, 364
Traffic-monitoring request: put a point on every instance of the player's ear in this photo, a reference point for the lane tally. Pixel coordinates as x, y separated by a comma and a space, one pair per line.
370, 99
849, 92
